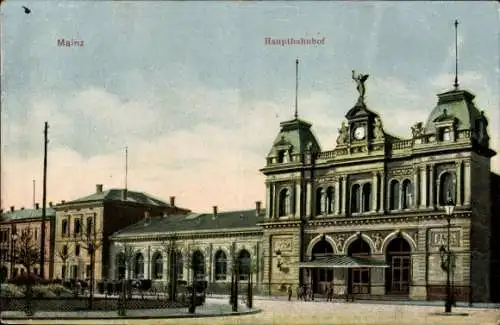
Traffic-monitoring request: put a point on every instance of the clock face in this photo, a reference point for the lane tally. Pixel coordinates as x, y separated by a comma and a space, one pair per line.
359, 133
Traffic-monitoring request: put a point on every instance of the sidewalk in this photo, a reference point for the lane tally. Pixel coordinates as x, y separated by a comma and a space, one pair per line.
213, 309
425, 303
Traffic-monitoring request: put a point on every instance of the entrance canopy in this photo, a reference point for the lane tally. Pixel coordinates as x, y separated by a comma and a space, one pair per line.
342, 261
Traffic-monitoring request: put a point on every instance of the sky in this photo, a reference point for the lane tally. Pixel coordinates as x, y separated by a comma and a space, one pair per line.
197, 96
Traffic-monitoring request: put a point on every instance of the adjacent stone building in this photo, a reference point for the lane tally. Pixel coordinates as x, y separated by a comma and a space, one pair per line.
366, 217
85, 224
13, 224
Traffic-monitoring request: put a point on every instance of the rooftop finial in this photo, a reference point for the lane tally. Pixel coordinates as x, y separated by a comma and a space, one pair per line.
296, 115
455, 84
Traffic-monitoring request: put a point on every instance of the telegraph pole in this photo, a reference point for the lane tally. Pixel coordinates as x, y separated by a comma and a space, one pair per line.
44, 202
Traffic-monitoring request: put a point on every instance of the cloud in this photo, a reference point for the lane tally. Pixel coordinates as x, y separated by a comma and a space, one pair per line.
214, 159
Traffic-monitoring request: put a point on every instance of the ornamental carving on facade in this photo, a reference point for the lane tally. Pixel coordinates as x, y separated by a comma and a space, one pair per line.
401, 172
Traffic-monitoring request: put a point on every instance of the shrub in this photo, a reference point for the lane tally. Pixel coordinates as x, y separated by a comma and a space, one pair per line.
59, 290
11, 290
40, 291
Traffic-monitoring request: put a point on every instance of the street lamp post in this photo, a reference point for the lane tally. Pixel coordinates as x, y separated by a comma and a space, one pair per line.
127, 255
12, 252
446, 264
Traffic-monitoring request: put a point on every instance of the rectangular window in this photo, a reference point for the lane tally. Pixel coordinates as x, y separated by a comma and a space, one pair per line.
74, 271
36, 234
77, 228
77, 250
63, 272
64, 228
89, 227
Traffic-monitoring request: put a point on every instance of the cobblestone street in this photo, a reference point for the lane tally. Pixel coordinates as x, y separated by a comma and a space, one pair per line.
284, 312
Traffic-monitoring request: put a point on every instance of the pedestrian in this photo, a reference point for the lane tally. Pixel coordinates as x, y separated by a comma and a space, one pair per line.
298, 292
290, 293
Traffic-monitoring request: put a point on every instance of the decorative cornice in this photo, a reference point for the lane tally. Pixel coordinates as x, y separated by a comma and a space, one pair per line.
380, 219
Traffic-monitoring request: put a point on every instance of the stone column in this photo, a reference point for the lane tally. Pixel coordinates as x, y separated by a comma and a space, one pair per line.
382, 194
344, 195
275, 202
309, 199
432, 187
419, 260
337, 196
210, 262
423, 187
374, 192
467, 183
268, 201
377, 281
459, 183
297, 200
416, 188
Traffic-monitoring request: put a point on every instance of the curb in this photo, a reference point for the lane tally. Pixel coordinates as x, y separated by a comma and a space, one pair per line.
242, 313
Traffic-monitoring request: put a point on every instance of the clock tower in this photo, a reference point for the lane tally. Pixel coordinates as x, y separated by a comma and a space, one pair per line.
364, 127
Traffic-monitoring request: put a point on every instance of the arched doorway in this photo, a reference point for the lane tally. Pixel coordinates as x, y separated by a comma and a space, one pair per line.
321, 277
398, 275
358, 281
244, 264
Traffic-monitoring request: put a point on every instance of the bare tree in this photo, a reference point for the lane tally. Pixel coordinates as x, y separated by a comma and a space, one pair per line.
26, 250
89, 240
64, 255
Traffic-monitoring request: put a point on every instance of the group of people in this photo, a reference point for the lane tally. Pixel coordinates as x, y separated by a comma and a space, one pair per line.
306, 293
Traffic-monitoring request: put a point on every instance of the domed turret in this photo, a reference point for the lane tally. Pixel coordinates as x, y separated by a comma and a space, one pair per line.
456, 111
294, 139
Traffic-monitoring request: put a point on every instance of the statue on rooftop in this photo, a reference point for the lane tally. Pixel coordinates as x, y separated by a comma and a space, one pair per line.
342, 138
360, 80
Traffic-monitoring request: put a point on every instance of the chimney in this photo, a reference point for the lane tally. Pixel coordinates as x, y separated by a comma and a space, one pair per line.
258, 206
12, 209
62, 201
98, 188
172, 201
50, 204
215, 211
37, 206
22, 208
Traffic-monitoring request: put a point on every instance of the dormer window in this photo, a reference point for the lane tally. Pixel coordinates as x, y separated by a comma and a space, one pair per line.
446, 136
281, 156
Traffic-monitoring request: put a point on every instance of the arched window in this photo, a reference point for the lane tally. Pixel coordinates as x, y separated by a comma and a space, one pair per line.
120, 266
320, 201
220, 265
447, 190
355, 198
394, 195
367, 197
198, 265
244, 264
139, 266
330, 200
284, 203
157, 264
407, 194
